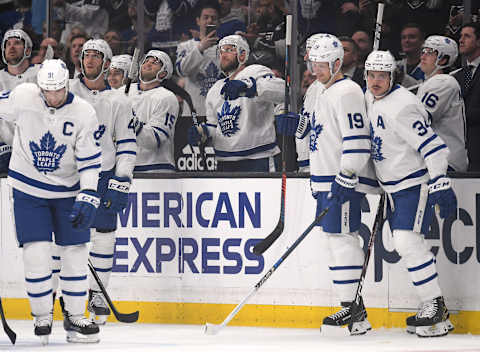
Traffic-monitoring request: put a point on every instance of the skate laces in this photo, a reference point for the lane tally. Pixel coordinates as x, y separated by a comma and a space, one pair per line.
80, 320
44, 320
98, 300
428, 310
341, 313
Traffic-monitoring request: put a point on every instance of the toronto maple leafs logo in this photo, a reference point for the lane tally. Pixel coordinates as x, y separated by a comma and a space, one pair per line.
315, 133
376, 146
46, 157
207, 78
228, 119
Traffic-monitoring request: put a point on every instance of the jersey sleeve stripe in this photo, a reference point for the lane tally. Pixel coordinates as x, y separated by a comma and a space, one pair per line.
95, 166
434, 150
349, 138
428, 140
127, 152
416, 174
303, 163
322, 178
356, 151
157, 137
127, 141
211, 125
162, 130
89, 157
38, 184
368, 181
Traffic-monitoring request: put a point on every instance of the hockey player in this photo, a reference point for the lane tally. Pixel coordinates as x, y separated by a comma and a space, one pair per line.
117, 73
411, 164
197, 59
54, 174
442, 97
156, 112
240, 111
338, 131
116, 137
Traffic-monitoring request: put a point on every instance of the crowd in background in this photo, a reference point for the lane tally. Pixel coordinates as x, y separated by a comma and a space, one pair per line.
168, 23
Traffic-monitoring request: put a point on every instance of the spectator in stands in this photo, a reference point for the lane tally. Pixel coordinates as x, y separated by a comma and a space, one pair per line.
118, 14
350, 66
129, 35
56, 30
364, 44
55, 53
16, 15
469, 79
197, 59
232, 18
73, 54
412, 37
112, 37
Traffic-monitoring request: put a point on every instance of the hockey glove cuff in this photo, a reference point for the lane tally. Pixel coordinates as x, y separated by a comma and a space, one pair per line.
84, 209
287, 123
343, 188
232, 89
116, 197
440, 192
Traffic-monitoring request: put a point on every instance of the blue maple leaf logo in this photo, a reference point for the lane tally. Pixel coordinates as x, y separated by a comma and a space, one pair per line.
315, 133
47, 156
376, 146
208, 78
228, 119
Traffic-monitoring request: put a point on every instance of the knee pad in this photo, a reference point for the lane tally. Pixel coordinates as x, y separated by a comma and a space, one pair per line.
409, 243
73, 277
345, 248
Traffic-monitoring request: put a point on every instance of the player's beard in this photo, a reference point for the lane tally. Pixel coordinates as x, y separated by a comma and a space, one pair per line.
15, 60
148, 76
93, 74
229, 66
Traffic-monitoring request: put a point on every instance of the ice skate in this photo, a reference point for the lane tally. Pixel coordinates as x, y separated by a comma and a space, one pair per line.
80, 329
43, 327
432, 319
98, 308
337, 323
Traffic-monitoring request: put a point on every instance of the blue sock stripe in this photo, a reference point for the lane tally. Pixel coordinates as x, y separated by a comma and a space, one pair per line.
98, 255
73, 278
344, 282
422, 282
41, 294
421, 266
55, 257
103, 270
55, 271
40, 279
72, 293
350, 267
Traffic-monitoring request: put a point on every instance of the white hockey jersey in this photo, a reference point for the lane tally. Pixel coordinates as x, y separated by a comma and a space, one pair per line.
442, 97
244, 128
405, 150
201, 71
116, 133
54, 150
157, 111
9, 81
340, 137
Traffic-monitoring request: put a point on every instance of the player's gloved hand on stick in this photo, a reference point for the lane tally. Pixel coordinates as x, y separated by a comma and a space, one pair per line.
287, 123
197, 134
440, 192
116, 197
84, 209
343, 188
232, 89
5, 154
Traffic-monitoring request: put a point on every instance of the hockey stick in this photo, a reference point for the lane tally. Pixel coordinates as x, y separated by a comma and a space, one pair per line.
263, 245
132, 71
213, 329
378, 26
11, 334
124, 318
376, 228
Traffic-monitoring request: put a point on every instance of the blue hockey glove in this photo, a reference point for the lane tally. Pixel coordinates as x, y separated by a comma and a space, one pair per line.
287, 123
343, 188
232, 89
5, 154
197, 134
116, 197
84, 209
440, 192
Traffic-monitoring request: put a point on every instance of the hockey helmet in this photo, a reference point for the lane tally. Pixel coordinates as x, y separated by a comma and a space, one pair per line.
102, 47
53, 75
20, 34
383, 61
312, 39
239, 43
122, 62
327, 48
167, 65
445, 48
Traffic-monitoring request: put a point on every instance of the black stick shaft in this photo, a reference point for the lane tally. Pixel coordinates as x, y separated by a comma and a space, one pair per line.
10, 333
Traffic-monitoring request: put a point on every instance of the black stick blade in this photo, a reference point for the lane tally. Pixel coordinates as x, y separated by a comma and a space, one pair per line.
126, 318
10, 333
265, 244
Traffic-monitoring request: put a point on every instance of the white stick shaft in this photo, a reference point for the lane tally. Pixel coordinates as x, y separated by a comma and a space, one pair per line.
288, 37
378, 26
133, 66
237, 308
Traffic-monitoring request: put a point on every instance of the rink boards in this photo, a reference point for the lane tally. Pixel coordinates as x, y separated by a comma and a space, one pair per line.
184, 255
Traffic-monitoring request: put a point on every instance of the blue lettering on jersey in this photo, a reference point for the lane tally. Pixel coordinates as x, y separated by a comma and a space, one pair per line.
315, 133
228, 119
46, 157
207, 78
380, 122
98, 134
376, 146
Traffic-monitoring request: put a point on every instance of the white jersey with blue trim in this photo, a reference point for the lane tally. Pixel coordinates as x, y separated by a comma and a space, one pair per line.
416, 76
116, 133
442, 97
405, 150
156, 110
244, 128
9, 81
54, 151
201, 71
339, 137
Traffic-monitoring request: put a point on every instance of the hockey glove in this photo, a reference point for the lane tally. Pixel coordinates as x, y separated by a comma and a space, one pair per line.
343, 188
116, 197
5, 154
440, 192
197, 134
84, 209
287, 123
232, 89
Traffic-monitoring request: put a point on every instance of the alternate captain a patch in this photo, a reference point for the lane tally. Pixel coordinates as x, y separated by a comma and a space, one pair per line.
228, 119
47, 155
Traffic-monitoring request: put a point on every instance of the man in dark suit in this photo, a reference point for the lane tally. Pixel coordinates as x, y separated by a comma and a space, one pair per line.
469, 79
350, 66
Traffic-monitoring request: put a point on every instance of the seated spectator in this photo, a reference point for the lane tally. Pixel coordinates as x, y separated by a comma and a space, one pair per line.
129, 35
364, 44
412, 37
16, 15
112, 37
232, 19
118, 14
350, 66
55, 51
73, 55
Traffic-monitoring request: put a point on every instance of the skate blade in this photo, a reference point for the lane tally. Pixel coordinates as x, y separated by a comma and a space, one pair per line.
211, 329
450, 326
358, 328
98, 319
439, 329
74, 337
411, 329
44, 340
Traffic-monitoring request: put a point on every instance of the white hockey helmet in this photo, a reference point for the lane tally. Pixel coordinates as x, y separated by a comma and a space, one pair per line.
20, 34
102, 47
53, 75
167, 65
239, 43
384, 61
327, 48
312, 39
122, 62
445, 47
